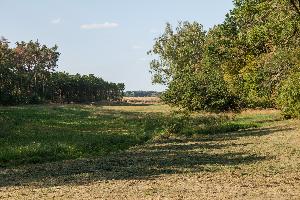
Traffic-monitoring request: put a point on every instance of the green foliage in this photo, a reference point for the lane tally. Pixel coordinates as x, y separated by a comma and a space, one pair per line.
289, 96
176, 123
27, 77
179, 51
183, 67
268, 39
63, 87
240, 63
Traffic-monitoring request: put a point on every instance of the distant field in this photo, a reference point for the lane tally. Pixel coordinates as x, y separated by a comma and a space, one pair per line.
139, 151
145, 100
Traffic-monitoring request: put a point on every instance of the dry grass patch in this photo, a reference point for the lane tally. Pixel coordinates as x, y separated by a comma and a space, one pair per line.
142, 100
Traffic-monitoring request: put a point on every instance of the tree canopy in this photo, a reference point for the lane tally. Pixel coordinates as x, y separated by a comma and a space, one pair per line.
27, 75
243, 62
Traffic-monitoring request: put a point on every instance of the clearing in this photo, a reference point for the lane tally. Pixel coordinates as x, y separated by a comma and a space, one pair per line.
120, 152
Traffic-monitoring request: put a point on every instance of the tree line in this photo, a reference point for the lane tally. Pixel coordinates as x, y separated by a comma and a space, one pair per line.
28, 75
142, 93
250, 60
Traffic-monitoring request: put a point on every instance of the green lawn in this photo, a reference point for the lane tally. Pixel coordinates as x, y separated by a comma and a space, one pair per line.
46, 133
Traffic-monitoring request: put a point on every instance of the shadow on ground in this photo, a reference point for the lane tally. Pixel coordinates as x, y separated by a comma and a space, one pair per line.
147, 162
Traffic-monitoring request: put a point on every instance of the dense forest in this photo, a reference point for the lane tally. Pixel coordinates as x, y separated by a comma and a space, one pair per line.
250, 60
27, 75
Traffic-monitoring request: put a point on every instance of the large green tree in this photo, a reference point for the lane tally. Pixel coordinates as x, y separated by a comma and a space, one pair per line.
184, 64
242, 62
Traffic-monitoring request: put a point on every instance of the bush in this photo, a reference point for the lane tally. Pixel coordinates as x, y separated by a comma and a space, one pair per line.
176, 123
203, 91
289, 96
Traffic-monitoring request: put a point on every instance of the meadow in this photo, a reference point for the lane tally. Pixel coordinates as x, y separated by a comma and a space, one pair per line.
38, 134
139, 151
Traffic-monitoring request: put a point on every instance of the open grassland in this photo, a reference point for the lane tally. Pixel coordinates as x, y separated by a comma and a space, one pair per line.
37, 134
146, 152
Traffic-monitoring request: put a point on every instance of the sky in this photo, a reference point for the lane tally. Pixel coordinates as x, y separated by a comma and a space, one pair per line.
108, 38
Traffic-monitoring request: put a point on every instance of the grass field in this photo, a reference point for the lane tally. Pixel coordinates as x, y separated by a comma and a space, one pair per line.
38, 134
146, 152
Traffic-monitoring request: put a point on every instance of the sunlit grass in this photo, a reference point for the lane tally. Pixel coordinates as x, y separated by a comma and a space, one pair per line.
37, 134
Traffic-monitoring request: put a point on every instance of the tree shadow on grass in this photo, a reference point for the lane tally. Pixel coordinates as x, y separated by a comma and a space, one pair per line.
245, 133
147, 162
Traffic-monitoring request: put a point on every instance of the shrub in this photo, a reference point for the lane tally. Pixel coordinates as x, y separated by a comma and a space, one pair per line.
176, 123
289, 96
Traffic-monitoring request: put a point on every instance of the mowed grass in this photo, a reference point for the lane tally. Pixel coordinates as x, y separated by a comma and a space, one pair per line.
36, 134
47, 133
139, 151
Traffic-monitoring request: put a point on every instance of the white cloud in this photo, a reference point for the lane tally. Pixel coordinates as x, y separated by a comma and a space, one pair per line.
106, 25
56, 21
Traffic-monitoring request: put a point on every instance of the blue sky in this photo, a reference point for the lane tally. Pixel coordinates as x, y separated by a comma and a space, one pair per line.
108, 38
